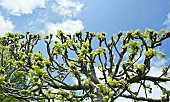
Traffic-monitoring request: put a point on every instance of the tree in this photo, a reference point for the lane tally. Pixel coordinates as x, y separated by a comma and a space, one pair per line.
43, 75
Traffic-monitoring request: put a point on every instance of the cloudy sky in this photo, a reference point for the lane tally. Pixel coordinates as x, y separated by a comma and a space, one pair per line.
111, 16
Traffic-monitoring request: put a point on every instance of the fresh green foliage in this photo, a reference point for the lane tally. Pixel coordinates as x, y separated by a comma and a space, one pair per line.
28, 75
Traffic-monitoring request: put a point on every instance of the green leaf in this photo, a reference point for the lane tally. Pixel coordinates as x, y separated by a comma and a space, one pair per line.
163, 91
162, 54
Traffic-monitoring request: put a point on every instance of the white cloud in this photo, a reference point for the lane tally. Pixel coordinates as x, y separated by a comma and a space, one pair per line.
68, 26
37, 25
19, 7
167, 21
157, 65
67, 7
5, 26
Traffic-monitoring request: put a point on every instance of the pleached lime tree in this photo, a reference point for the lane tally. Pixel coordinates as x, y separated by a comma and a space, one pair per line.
67, 67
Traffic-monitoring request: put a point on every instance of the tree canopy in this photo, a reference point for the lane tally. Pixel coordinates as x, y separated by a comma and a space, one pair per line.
68, 67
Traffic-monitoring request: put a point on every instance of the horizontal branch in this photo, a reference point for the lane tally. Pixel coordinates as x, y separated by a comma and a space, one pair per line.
141, 98
150, 78
70, 87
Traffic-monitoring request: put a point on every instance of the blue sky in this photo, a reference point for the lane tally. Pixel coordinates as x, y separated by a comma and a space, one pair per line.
111, 16
46, 16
